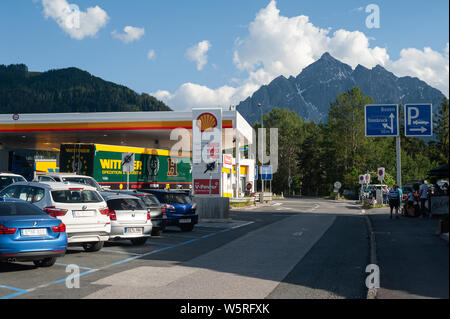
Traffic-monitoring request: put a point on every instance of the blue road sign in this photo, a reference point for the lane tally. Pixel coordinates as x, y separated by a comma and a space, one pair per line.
266, 173
256, 172
381, 120
418, 120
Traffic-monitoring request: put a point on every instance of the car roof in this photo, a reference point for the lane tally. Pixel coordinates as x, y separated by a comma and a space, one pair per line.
11, 200
135, 193
163, 191
111, 195
64, 175
54, 185
10, 174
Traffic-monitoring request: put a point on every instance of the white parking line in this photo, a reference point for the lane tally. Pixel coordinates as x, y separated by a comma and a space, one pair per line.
242, 225
119, 252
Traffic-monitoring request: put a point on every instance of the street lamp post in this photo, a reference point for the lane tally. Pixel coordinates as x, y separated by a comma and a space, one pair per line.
262, 155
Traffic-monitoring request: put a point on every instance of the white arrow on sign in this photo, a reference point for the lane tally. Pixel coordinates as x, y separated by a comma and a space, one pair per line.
421, 129
392, 123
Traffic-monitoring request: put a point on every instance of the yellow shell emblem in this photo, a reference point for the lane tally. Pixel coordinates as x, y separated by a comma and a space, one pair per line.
206, 121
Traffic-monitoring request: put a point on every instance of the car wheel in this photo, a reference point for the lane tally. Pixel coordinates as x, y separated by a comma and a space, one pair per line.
157, 232
93, 247
186, 228
139, 241
46, 262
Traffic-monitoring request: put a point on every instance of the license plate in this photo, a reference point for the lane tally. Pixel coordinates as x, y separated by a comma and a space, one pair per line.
133, 230
184, 221
34, 232
84, 213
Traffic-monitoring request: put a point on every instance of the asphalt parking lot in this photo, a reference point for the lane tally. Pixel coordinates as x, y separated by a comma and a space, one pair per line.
19, 279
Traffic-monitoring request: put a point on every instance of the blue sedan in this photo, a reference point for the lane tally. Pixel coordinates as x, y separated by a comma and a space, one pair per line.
179, 208
29, 234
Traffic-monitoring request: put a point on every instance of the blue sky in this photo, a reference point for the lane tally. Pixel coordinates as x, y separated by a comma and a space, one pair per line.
228, 29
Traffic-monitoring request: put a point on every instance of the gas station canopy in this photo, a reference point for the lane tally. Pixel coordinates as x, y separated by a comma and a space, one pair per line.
46, 131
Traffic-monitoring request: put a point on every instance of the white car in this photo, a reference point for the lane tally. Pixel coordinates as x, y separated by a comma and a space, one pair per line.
7, 179
69, 178
81, 208
130, 218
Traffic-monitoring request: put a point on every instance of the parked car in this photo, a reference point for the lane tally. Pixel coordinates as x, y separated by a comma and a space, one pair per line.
81, 208
29, 234
179, 208
69, 178
159, 218
130, 218
10, 178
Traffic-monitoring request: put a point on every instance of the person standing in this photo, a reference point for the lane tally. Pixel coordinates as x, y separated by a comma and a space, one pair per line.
423, 197
385, 195
394, 200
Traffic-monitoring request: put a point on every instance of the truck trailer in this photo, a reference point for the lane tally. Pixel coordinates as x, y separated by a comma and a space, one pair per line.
153, 168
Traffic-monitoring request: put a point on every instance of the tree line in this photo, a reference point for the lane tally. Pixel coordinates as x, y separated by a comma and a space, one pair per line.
67, 90
318, 155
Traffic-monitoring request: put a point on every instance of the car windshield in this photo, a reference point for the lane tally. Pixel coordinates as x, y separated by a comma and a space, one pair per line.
76, 196
19, 209
177, 199
7, 180
126, 204
149, 200
82, 180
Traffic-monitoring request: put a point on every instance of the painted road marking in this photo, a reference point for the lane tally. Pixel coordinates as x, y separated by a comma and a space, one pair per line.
65, 265
119, 252
18, 292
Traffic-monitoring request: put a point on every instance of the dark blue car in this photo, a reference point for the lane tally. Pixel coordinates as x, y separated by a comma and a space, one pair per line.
29, 234
179, 208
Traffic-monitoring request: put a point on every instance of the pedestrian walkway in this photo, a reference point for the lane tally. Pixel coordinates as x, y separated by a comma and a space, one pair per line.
412, 258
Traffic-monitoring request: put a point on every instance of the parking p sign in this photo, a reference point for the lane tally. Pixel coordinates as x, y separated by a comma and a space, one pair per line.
361, 179
418, 120
380, 173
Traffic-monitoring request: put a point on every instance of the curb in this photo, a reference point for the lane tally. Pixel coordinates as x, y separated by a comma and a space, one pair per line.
372, 292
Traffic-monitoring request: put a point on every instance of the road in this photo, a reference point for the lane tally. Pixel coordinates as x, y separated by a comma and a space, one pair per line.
292, 248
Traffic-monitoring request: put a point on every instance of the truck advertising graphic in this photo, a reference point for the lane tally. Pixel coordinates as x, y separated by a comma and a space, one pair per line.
152, 167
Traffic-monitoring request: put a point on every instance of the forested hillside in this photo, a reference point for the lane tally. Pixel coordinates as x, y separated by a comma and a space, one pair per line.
67, 90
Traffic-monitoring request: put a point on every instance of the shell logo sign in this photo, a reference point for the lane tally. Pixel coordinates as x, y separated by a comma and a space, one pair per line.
206, 122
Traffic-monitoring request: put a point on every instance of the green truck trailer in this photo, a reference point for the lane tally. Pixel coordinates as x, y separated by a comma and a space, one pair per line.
152, 167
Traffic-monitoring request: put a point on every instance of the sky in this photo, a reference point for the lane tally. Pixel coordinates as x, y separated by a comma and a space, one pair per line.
210, 53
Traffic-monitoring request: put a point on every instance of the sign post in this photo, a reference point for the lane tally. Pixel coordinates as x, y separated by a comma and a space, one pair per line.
380, 173
128, 165
337, 187
207, 152
383, 121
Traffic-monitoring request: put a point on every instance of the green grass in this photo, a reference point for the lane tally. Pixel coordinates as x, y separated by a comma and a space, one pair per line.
241, 204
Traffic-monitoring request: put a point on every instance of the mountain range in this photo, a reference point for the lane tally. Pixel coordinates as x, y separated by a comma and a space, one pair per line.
311, 92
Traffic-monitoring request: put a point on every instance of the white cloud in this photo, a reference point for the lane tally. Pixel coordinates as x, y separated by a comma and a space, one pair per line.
428, 65
197, 54
130, 34
278, 45
151, 54
78, 24
295, 43
191, 95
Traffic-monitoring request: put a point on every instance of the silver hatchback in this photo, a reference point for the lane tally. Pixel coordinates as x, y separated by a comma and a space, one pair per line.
130, 218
